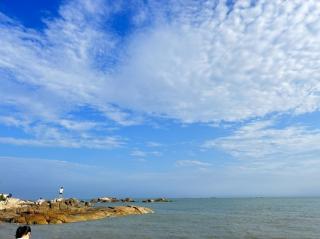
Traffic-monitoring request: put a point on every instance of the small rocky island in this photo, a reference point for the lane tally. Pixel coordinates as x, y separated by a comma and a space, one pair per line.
58, 211
110, 199
156, 200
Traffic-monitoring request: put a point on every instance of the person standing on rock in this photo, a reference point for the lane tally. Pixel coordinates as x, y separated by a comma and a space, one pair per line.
23, 232
61, 192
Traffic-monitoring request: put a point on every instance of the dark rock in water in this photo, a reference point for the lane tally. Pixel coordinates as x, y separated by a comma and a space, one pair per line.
127, 200
104, 200
156, 200
95, 200
64, 211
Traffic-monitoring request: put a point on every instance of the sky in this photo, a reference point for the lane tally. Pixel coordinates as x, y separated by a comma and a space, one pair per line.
192, 98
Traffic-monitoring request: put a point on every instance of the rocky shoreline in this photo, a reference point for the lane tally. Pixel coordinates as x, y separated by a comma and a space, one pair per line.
61, 211
113, 199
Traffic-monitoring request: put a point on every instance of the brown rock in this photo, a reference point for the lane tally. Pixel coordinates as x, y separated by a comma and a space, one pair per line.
21, 220
36, 219
104, 200
157, 200
64, 211
127, 200
55, 221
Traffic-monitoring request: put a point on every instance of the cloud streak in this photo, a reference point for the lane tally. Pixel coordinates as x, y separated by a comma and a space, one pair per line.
144, 154
192, 163
262, 146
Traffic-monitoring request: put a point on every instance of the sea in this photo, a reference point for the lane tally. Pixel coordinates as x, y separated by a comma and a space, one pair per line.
228, 218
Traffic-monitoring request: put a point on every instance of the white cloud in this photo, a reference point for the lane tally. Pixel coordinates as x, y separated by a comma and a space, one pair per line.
260, 145
210, 66
201, 64
66, 142
192, 163
138, 153
152, 144
143, 154
61, 133
64, 133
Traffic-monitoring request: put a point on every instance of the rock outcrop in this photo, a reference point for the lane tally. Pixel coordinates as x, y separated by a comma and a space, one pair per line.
127, 200
104, 200
110, 199
10, 203
157, 200
64, 211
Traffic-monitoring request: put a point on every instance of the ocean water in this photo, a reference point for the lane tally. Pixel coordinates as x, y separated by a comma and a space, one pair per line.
198, 218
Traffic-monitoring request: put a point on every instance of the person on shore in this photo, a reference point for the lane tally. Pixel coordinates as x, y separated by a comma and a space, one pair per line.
23, 232
61, 192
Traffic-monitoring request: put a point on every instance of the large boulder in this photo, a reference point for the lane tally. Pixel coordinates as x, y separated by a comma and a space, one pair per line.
127, 210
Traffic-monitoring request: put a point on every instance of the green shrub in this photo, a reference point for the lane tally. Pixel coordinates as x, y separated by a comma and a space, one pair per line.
2, 197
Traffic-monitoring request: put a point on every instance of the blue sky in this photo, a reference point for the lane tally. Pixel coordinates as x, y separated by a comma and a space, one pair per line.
160, 98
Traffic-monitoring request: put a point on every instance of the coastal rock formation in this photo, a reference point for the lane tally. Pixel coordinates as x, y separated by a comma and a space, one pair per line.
104, 200
64, 211
13, 203
127, 200
110, 199
156, 200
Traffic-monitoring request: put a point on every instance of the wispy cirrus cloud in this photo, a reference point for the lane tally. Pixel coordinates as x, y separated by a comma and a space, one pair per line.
263, 145
143, 153
192, 163
193, 62
153, 144
63, 133
87, 142
55, 138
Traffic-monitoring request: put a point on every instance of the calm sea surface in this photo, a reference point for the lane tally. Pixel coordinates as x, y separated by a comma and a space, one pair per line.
198, 218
